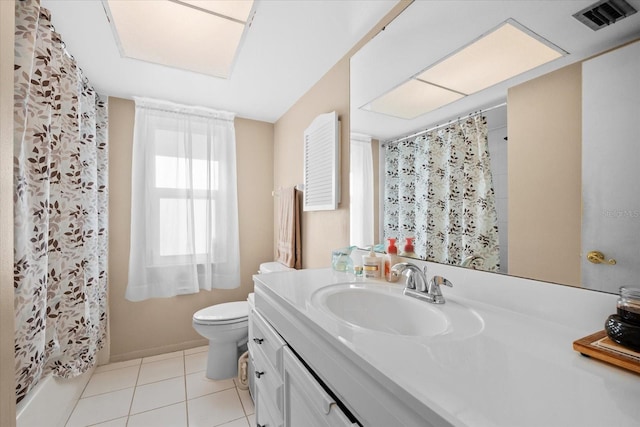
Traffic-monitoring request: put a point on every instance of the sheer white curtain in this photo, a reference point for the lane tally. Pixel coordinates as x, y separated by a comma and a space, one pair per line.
184, 211
361, 191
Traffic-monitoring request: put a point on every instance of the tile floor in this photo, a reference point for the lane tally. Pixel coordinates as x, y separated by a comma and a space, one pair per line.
168, 390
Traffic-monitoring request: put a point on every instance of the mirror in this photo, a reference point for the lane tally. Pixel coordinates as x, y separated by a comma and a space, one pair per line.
427, 32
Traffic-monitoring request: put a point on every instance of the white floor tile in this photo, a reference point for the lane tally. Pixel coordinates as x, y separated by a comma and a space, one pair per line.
160, 398
236, 381
240, 422
173, 415
196, 350
158, 394
161, 370
214, 409
247, 402
196, 362
104, 407
163, 356
199, 385
117, 379
120, 422
117, 365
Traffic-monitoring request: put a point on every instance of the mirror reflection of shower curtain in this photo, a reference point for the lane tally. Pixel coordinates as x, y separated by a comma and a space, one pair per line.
60, 207
438, 188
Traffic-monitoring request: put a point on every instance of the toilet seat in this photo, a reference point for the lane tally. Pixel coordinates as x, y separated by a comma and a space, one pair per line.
223, 314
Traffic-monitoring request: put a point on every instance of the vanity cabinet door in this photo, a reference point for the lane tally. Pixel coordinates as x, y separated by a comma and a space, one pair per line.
265, 351
306, 403
266, 414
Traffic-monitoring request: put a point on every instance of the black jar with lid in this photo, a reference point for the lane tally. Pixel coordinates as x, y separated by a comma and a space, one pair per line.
629, 305
624, 327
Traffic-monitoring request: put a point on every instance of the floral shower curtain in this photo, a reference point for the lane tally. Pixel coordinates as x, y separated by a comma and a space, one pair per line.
60, 206
438, 189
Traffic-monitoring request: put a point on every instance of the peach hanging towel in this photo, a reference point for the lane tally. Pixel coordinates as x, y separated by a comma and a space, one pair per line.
289, 243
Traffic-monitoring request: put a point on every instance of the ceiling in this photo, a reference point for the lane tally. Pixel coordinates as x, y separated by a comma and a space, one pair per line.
290, 45
428, 31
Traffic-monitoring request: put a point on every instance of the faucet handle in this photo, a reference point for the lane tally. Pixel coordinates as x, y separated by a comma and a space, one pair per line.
439, 280
434, 289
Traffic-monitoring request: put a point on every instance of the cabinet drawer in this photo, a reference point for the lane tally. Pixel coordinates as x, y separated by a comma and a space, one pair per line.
268, 380
264, 338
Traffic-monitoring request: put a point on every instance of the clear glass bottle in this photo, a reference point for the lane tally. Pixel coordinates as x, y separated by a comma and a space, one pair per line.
341, 260
629, 305
358, 273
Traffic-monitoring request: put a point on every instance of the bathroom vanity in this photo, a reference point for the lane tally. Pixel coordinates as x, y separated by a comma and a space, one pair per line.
334, 352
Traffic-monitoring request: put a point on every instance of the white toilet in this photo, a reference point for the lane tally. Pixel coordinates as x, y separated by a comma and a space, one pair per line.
226, 326
273, 267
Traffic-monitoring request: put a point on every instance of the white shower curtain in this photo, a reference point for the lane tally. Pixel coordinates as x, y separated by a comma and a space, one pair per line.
184, 213
438, 188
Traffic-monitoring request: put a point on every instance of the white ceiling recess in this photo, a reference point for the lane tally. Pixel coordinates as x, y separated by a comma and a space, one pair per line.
290, 45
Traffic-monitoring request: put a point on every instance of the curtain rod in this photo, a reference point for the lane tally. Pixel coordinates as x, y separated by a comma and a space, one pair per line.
422, 132
181, 109
194, 114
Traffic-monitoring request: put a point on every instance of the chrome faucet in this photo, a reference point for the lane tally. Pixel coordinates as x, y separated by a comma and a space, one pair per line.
470, 260
417, 285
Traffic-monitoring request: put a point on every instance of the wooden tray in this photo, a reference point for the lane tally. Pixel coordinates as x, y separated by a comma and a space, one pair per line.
615, 354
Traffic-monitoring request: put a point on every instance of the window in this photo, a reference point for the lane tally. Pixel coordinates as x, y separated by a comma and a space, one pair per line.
361, 190
185, 193
184, 229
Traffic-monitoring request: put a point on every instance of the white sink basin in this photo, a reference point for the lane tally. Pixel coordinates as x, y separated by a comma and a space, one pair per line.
383, 308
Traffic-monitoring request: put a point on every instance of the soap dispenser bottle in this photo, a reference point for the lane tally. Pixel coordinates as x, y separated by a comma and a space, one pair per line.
371, 265
408, 249
390, 259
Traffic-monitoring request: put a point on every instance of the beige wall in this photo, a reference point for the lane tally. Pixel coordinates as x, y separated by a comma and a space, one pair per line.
164, 324
322, 231
545, 157
7, 375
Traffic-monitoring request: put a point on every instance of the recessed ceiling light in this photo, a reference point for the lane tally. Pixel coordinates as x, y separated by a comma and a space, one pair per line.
199, 36
234, 9
412, 99
502, 53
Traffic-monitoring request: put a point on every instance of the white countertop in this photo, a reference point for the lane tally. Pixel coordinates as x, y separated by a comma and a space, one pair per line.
519, 369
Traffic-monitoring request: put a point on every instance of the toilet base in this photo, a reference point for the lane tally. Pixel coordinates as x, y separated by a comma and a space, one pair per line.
222, 361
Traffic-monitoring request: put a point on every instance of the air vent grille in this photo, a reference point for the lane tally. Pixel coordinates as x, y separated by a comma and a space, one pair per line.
604, 13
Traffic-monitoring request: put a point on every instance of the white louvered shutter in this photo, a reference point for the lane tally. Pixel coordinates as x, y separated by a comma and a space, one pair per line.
322, 163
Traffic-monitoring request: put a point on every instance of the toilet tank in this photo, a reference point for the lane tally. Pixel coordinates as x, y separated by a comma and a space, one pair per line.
272, 267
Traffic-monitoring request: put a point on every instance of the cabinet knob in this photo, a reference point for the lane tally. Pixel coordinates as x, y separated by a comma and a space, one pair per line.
258, 340
259, 374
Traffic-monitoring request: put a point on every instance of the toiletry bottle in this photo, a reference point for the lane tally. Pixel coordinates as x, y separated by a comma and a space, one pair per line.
371, 265
358, 272
390, 259
408, 249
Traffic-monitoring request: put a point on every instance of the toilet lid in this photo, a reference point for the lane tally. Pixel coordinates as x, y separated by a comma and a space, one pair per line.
221, 312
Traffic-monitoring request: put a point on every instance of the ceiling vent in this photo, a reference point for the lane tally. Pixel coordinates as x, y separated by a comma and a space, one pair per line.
604, 13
